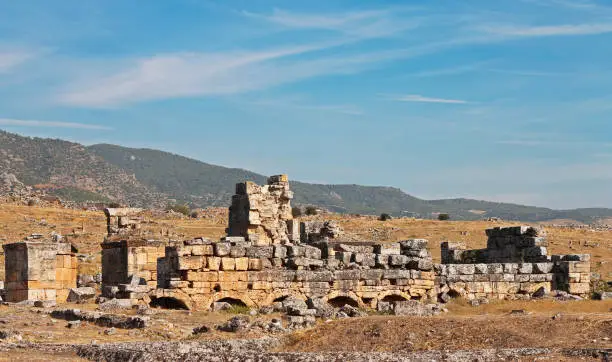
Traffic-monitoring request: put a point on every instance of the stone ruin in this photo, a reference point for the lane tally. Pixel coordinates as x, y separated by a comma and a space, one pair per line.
514, 265
39, 271
268, 257
129, 261
261, 214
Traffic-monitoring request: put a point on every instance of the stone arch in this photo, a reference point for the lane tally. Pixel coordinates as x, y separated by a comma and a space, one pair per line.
335, 298
171, 298
277, 295
394, 298
231, 295
232, 301
394, 294
168, 303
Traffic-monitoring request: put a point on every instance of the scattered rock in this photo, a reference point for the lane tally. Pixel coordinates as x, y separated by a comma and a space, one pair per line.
81, 295
235, 324
74, 324
201, 330
45, 304
115, 304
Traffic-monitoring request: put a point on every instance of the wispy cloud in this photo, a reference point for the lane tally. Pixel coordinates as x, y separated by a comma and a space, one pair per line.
551, 30
50, 124
423, 99
366, 23
11, 59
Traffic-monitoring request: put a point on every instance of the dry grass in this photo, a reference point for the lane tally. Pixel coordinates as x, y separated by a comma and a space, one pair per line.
86, 229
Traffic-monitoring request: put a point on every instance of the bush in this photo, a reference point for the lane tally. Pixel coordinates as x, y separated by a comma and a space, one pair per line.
182, 209
194, 214
384, 217
443, 217
114, 205
32, 202
311, 210
296, 212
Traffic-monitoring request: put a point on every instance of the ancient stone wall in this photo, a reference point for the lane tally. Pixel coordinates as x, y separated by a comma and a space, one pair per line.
260, 213
39, 271
124, 259
201, 272
515, 265
122, 221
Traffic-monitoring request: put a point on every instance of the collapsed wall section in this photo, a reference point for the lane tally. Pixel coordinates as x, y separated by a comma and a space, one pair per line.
514, 265
202, 272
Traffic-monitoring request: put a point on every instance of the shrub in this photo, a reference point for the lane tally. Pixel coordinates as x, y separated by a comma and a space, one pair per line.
182, 209
311, 210
32, 202
296, 212
194, 214
443, 217
114, 205
384, 217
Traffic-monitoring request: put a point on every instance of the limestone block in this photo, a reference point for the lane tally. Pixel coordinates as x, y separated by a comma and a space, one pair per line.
510, 268
579, 288
413, 244
213, 263
228, 264
466, 269
190, 262
280, 251
496, 268
242, 264
481, 268
508, 277
365, 259
347, 275
540, 277
523, 278
344, 257
311, 252
222, 249
382, 260
387, 249
542, 268
260, 252
370, 274
525, 268
237, 252
398, 260
255, 264
579, 267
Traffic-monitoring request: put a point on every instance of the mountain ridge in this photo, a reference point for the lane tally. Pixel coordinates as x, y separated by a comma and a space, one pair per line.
154, 178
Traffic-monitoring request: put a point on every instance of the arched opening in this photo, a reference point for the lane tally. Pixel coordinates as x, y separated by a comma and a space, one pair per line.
393, 298
280, 299
234, 302
416, 297
168, 303
454, 294
367, 301
341, 301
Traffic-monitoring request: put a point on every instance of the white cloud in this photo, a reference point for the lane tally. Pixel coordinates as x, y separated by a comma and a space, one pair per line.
552, 30
49, 124
423, 99
364, 24
178, 75
11, 59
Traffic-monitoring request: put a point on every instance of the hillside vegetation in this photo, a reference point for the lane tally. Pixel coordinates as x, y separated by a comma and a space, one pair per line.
152, 178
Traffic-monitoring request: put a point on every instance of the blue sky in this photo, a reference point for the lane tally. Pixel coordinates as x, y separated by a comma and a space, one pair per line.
497, 100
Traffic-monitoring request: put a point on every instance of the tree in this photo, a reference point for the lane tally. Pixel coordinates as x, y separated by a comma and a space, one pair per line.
443, 217
296, 212
384, 217
311, 210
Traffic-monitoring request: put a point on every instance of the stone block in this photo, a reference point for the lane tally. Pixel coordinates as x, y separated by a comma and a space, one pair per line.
294, 251
228, 264
213, 263
387, 249
525, 268
190, 262
222, 249
255, 264
280, 251
311, 252
466, 269
260, 252
242, 264
398, 260
413, 244
542, 268
237, 252
579, 288
510, 268
481, 268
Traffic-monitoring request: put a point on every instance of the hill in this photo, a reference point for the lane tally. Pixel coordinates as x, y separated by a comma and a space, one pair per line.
152, 178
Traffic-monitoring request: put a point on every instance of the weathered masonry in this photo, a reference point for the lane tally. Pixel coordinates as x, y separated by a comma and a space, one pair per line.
515, 265
126, 255
37, 270
267, 256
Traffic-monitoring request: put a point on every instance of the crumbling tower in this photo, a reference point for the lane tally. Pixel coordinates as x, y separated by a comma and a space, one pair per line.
261, 214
